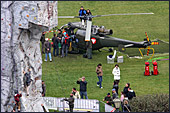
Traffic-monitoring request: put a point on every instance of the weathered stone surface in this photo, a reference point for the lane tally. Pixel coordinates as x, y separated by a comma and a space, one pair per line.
22, 23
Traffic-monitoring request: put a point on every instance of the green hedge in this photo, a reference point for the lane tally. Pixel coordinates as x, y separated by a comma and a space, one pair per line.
150, 103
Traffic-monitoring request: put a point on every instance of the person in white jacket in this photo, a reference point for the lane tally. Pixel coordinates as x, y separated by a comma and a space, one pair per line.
76, 94
116, 73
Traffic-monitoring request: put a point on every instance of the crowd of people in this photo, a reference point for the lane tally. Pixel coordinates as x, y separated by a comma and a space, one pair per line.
126, 95
62, 42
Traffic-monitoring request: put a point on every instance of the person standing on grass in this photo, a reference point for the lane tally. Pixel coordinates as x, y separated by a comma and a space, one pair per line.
130, 94
99, 72
65, 43
83, 87
115, 85
59, 36
55, 41
114, 94
125, 90
47, 50
116, 73
42, 41
122, 97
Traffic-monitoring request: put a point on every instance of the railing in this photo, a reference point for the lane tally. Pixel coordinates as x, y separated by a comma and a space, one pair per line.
60, 105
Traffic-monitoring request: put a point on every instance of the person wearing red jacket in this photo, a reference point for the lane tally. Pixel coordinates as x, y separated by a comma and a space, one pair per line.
147, 73
17, 101
65, 42
155, 68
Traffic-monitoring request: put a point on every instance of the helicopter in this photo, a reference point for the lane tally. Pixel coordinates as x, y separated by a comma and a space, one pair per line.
92, 37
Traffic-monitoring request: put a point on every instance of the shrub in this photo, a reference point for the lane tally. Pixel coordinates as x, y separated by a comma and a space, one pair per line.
150, 103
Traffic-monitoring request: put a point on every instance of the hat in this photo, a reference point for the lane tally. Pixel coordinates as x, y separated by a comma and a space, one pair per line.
46, 39
113, 89
108, 93
81, 6
83, 77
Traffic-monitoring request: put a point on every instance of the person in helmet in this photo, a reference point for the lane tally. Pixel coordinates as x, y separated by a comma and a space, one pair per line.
17, 101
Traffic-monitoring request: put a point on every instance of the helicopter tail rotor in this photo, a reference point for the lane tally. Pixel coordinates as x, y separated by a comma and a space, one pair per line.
150, 43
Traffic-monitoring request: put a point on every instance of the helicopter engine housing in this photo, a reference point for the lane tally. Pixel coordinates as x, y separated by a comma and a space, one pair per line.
105, 31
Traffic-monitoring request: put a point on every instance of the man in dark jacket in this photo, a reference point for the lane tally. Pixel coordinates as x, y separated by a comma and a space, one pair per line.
83, 87
47, 49
108, 99
55, 41
125, 90
88, 12
42, 42
43, 89
71, 102
115, 85
130, 94
59, 36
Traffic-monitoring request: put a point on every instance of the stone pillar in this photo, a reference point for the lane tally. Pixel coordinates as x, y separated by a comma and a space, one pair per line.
22, 23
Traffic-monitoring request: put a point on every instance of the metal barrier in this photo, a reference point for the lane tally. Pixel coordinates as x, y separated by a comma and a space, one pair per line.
59, 104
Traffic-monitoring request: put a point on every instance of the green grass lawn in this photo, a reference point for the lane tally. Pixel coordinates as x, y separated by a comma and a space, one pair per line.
61, 74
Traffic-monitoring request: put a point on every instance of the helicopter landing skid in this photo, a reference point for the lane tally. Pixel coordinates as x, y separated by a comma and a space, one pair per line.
146, 48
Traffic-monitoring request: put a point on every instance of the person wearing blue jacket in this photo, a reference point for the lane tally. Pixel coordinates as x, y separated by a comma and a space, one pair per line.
82, 12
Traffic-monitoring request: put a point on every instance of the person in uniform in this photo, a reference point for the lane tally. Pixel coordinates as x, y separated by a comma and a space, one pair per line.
89, 49
71, 102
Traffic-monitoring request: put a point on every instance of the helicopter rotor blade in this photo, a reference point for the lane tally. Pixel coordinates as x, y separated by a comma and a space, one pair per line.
88, 30
69, 16
124, 14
